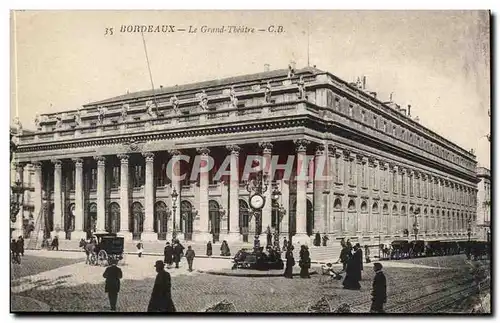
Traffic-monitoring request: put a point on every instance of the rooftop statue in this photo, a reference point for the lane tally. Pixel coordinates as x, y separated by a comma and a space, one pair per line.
125, 108
58, 121
203, 101
302, 89
78, 118
267, 92
37, 121
19, 126
149, 109
234, 99
174, 101
101, 115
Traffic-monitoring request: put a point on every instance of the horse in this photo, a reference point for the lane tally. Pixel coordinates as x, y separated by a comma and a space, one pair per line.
89, 248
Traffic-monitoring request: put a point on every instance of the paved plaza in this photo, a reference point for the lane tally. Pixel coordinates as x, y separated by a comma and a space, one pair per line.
61, 281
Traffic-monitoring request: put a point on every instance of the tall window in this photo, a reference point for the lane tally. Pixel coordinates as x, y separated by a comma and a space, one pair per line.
411, 184
394, 181
363, 116
139, 172
418, 186
337, 169
363, 174
351, 166
375, 123
403, 184
115, 179
372, 176
385, 126
350, 110
72, 179
93, 178
161, 175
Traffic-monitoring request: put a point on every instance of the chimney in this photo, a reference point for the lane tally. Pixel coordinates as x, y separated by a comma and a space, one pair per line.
417, 119
409, 110
161, 86
374, 94
403, 111
364, 82
267, 67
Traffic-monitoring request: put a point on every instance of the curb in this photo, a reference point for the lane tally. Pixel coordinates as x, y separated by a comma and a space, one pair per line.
42, 307
235, 274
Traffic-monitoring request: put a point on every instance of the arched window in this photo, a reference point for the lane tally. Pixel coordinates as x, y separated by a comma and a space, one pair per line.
161, 217
385, 209
113, 218
136, 220
364, 207
375, 207
351, 206
337, 204
214, 219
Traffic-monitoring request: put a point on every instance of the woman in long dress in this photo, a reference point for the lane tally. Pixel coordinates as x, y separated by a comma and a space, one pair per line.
290, 262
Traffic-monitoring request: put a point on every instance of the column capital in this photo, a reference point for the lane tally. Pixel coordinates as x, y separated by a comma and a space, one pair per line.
57, 163
301, 145
401, 170
234, 149
204, 151
123, 158
101, 160
37, 165
149, 156
320, 149
174, 152
78, 162
266, 146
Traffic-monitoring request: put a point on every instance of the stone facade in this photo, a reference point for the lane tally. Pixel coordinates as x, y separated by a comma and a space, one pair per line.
104, 167
484, 204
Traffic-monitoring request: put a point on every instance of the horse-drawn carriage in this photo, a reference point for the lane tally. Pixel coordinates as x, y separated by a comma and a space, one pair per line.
259, 260
105, 248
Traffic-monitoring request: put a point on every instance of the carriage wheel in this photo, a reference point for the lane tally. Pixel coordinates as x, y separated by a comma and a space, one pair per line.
102, 258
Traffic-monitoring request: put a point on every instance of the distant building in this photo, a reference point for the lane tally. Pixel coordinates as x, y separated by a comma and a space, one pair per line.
103, 166
483, 203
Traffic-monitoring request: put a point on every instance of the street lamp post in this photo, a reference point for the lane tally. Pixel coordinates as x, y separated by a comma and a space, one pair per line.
16, 201
174, 196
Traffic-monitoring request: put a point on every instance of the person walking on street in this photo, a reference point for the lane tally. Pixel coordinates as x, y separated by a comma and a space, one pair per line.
190, 257
161, 297
112, 274
304, 262
168, 254
367, 254
353, 270
20, 245
209, 249
15, 252
325, 240
379, 291
290, 262
55, 243
269, 237
140, 248
178, 252
224, 249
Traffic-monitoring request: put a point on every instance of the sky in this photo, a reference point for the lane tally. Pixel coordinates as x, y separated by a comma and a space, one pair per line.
437, 61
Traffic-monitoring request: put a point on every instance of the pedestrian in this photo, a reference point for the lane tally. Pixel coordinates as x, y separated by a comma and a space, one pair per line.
353, 270
379, 291
256, 243
345, 254
269, 237
367, 254
317, 240
325, 240
178, 252
161, 297
285, 244
112, 274
209, 249
290, 262
55, 243
304, 262
140, 248
14, 251
168, 254
224, 249
190, 257
20, 245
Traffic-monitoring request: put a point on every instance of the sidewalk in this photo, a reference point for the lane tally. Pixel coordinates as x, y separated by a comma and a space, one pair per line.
27, 304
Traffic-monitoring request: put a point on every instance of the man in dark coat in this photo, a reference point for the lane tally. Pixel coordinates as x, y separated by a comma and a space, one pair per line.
178, 252
20, 245
190, 257
209, 249
269, 237
112, 274
379, 291
15, 252
290, 262
304, 262
161, 297
168, 254
353, 270
55, 243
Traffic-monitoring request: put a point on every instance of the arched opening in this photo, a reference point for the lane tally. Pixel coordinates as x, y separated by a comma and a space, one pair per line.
214, 220
351, 206
364, 207
337, 204
404, 220
244, 219
136, 220
91, 220
160, 224
375, 207
69, 220
310, 218
187, 220
113, 218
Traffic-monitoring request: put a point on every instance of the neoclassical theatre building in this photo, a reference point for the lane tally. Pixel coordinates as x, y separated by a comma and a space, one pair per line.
103, 167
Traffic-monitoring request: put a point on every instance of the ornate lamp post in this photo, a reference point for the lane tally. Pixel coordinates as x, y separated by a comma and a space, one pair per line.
416, 226
174, 196
469, 229
16, 200
256, 187
275, 195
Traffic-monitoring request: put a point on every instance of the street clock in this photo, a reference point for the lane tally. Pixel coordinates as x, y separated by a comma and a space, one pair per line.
257, 201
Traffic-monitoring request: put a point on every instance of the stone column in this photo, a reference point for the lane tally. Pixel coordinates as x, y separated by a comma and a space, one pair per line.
201, 232
301, 236
176, 185
101, 193
319, 186
234, 187
330, 227
124, 198
267, 208
78, 233
18, 225
37, 201
58, 203
149, 199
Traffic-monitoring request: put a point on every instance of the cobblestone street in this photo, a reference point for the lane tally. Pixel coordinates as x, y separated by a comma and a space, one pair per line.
414, 286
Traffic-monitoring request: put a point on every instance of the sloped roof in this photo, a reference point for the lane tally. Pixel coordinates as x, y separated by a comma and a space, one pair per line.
207, 84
